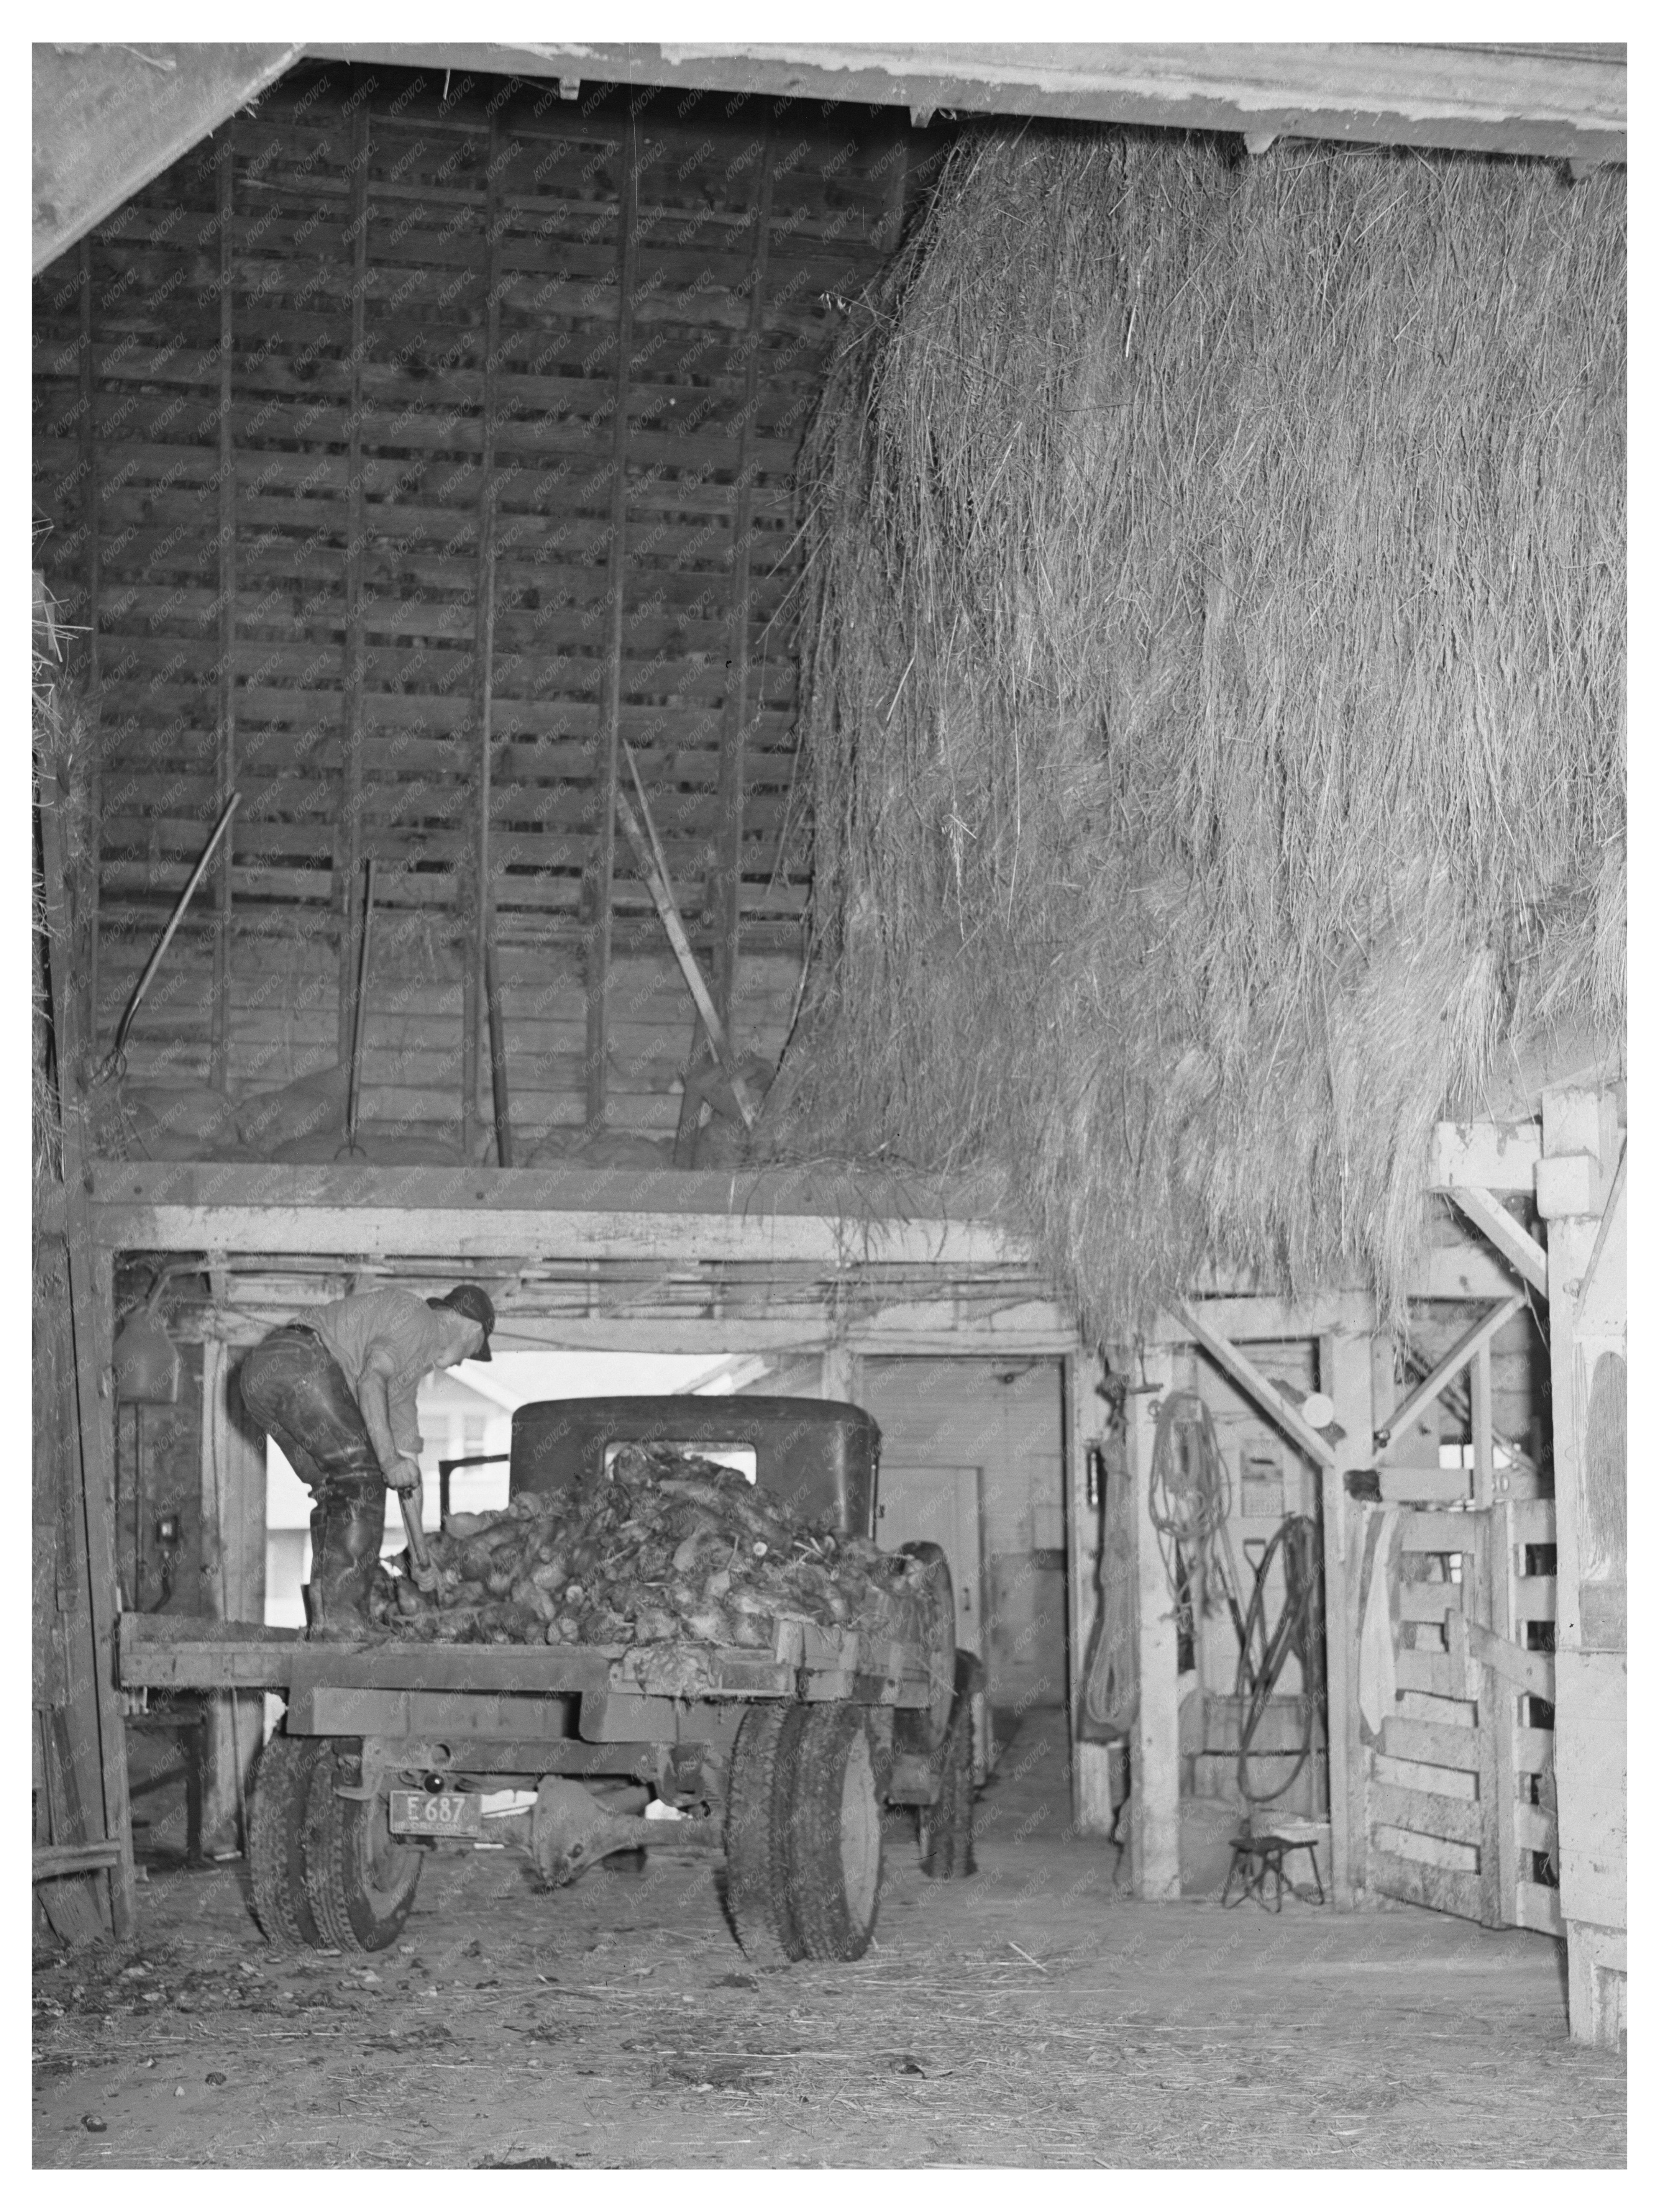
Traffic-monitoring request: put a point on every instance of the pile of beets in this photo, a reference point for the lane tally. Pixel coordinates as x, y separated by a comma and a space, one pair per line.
668, 1545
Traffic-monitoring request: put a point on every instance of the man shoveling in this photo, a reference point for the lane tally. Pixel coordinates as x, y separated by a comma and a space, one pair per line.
336, 1393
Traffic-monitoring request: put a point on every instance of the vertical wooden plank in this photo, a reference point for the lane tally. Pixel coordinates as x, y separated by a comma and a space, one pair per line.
232, 1508
1154, 1824
1494, 1711
1500, 1584
91, 1304
220, 1060
1480, 1422
610, 720
1346, 1368
841, 1373
349, 835
734, 726
473, 882
94, 650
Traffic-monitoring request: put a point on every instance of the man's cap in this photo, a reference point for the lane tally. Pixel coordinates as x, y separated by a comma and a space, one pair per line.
467, 1298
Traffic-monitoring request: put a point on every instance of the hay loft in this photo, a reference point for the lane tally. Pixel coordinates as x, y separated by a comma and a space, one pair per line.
1214, 669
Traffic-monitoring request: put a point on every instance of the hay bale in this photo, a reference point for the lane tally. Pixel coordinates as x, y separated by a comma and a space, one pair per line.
1213, 671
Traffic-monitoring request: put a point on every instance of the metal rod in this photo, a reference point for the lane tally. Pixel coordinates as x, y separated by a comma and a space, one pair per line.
177, 916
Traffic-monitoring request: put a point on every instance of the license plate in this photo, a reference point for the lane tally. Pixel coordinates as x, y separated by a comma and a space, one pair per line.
435, 1812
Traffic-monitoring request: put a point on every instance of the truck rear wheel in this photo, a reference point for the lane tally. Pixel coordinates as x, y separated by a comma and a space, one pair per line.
276, 1843
360, 1879
946, 1826
835, 1832
757, 1838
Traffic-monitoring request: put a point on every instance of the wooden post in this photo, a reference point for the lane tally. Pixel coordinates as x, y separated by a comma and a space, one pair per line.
220, 1062
91, 1298
1345, 1376
349, 840
233, 1569
1481, 1422
607, 762
734, 728
841, 1373
1155, 1774
1501, 1720
1575, 1175
475, 882
88, 1025
1092, 1811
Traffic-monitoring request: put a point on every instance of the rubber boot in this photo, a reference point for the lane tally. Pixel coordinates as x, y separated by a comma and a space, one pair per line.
346, 1522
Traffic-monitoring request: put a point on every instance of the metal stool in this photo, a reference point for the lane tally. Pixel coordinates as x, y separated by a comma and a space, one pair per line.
1257, 1858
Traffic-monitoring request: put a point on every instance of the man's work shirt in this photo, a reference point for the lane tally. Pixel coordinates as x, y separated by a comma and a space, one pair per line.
395, 1323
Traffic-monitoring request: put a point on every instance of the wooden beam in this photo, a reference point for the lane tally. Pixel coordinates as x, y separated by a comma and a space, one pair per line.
473, 884
1272, 1320
350, 831
1453, 1363
1155, 1822
608, 764
1255, 1385
492, 1233
734, 723
219, 1064
1501, 1229
1568, 102
1485, 1155
108, 117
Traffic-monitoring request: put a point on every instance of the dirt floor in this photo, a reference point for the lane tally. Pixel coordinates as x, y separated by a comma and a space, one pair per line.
1033, 2015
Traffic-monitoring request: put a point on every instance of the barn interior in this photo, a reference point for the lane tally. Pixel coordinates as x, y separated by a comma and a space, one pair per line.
935, 728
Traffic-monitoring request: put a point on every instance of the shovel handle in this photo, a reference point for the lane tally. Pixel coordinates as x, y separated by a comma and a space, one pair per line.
408, 1505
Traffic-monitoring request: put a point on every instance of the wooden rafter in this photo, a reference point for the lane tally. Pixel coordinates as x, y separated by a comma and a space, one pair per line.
1471, 1342
1256, 1386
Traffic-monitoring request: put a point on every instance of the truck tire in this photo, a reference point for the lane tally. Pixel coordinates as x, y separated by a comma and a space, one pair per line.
360, 1879
835, 1832
946, 1827
923, 1729
275, 1847
756, 1836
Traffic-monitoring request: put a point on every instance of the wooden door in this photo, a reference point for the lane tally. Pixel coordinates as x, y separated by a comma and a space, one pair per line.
1461, 1800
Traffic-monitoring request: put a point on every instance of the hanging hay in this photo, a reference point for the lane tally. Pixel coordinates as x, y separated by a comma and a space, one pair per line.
1214, 690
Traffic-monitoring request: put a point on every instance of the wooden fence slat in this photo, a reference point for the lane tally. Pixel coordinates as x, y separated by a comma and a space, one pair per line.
1418, 1774
1407, 1844
1445, 1889
1423, 1812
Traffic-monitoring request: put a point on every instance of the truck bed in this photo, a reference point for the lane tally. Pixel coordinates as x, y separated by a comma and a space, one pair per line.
177, 1652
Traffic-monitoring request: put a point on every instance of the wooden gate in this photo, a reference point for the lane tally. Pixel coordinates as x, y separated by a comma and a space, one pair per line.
1460, 1797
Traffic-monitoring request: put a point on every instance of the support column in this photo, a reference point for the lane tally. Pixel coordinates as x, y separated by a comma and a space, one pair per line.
1092, 1811
1588, 1318
1345, 1376
233, 1565
841, 1373
1155, 1773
